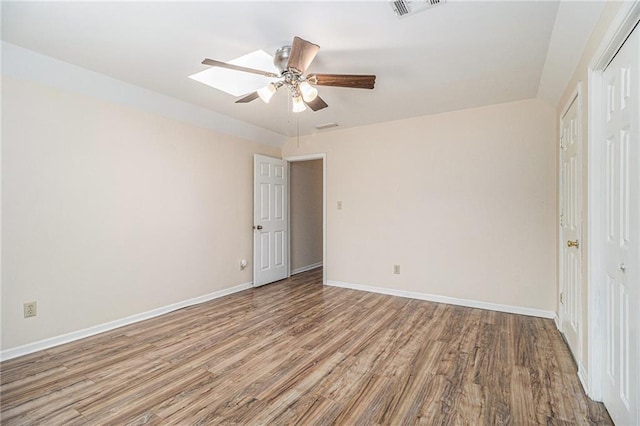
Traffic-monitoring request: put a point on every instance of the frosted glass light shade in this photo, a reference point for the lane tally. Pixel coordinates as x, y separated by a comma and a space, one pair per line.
267, 92
298, 105
309, 93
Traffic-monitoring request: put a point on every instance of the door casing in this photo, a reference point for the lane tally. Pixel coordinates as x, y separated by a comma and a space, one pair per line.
318, 156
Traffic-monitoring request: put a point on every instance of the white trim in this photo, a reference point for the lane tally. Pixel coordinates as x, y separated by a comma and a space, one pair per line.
26, 64
582, 372
577, 93
594, 230
582, 375
619, 30
446, 299
306, 157
289, 272
101, 328
306, 268
318, 156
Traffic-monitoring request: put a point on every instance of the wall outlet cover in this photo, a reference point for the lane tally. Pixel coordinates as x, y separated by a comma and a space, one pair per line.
30, 309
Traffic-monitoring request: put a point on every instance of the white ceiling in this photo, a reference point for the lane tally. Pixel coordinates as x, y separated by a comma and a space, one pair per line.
458, 55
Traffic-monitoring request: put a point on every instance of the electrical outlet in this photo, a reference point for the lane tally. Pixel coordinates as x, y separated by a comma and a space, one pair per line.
396, 269
30, 309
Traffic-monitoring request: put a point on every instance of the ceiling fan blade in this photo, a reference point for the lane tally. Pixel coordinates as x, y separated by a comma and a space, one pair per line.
214, 63
302, 54
343, 80
248, 98
317, 104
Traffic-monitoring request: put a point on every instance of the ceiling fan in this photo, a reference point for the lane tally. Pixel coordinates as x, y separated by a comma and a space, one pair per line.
293, 61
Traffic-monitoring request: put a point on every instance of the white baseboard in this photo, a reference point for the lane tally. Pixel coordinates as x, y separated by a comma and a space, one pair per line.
101, 328
306, 268
448, 300
582, 372
582, 375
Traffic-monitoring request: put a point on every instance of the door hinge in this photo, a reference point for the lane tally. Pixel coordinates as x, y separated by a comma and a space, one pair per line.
562, 297
562, 219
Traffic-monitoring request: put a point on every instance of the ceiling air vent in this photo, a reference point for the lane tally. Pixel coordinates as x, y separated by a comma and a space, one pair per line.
408, 7
326, 126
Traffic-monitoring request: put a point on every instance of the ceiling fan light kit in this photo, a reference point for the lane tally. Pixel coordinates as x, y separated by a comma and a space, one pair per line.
267, 92
298, 104
293, 61
309, 93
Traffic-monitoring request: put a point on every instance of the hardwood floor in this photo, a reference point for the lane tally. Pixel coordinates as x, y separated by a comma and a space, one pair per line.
297, 352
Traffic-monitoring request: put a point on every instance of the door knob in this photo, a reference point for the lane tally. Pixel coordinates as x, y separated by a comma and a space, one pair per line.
573, 244
258, 227
622, 267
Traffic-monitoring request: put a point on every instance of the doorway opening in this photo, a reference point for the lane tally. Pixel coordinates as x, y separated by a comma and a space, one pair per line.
307, 213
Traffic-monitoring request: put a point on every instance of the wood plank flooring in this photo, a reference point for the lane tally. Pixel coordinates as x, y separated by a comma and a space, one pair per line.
296, 352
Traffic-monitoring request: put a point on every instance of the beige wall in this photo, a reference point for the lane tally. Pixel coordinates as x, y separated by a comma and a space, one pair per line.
109, 211
464, 202
305, 201
580, 76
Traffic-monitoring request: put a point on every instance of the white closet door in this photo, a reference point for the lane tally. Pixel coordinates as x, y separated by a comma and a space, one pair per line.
622, 233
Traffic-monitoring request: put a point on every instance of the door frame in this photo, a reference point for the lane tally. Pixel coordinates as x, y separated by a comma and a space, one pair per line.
623, 23
318, 156
576, 97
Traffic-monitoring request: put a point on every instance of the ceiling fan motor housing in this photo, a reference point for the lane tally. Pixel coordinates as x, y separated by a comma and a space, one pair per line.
281, 58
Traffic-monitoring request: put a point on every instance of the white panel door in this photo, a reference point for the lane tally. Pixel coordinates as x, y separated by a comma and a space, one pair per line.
270, 222
622, 233
570, 229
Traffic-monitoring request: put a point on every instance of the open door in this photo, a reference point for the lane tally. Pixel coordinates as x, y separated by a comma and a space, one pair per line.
570, 228
270, 220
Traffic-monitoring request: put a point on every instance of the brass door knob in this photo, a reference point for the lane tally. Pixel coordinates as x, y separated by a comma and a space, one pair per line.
573, 244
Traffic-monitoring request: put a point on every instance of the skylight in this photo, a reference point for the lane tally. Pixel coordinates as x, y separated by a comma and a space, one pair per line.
239, 83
